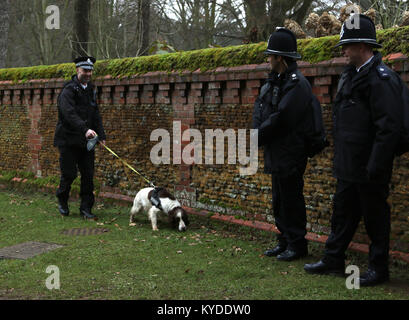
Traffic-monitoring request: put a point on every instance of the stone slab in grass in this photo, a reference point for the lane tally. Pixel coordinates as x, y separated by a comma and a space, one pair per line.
27, 250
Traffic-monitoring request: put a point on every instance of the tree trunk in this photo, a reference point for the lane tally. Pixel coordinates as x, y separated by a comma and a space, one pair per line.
262, 21
4, 31
82, 10
145, 7
255, 19
300, 14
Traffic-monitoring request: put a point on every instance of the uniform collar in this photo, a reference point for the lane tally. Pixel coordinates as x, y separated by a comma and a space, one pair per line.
352, 78
75, 79
279, 78
367, 61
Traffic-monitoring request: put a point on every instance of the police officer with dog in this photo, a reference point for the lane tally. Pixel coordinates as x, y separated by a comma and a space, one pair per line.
282, 116
367, 117
78, 120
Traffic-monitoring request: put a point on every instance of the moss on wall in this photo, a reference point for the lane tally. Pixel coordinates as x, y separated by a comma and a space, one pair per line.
312, 50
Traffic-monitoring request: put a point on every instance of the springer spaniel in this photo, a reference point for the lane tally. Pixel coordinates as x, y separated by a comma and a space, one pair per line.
169, 205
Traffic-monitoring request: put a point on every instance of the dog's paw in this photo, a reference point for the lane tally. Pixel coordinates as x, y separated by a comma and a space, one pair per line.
132, 224
155, 229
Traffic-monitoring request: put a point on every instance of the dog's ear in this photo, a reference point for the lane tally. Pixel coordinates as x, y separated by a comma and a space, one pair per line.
172, 216
185, 217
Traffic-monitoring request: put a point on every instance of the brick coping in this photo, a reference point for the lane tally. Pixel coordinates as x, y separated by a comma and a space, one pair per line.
154, 77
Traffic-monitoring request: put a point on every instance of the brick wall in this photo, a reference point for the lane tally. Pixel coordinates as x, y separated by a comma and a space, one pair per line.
223, 98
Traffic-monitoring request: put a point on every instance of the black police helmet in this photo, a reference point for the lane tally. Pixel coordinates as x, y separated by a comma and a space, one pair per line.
358, 28
85, 62
282, 42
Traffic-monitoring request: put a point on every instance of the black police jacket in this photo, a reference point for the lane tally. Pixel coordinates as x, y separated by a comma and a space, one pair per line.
367, 116
281, 131
77, 112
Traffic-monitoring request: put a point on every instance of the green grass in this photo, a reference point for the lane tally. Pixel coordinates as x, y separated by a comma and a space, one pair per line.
211, 260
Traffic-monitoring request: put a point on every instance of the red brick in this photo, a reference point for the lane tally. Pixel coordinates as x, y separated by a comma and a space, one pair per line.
211, 99
233, 84
231, 93
258, 75
180, 100
319, 81
196, 85
221, 77
119, 88
309, 72
405, 77
324, 99
165, 86
231, 100
195, 99
180, 86
320, 90
148, 87
214, 85
253, 83
238, 76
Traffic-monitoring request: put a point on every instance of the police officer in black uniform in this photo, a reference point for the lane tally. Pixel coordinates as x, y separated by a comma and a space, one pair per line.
280, 115
78, 120
367, 122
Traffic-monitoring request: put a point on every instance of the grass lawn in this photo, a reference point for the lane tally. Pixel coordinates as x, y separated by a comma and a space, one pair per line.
212, 260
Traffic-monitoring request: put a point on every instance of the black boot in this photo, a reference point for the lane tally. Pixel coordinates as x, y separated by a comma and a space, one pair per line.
63, 208
86, 214
291, 255
373, 278
276, 250
322, 267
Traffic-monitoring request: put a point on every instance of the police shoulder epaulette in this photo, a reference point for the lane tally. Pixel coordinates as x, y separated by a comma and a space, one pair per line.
72, 85
76, 87
383, 72
264, 89
294, 77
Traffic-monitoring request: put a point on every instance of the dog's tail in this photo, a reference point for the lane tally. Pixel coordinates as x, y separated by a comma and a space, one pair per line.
135, 209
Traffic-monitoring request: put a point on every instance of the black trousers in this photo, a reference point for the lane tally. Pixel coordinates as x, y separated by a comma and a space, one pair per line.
351, 202
71, 159
289, 210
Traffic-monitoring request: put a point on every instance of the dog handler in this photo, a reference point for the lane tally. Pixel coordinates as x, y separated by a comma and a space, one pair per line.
280, 117
78, 120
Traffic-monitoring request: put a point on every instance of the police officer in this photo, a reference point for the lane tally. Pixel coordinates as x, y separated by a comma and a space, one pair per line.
78, 120
367, 123
280, 117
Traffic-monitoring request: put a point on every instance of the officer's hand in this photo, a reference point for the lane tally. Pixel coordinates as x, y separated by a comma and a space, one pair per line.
102, 144
90, 134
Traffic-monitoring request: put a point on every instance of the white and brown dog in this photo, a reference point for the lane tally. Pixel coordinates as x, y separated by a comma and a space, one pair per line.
169, 205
